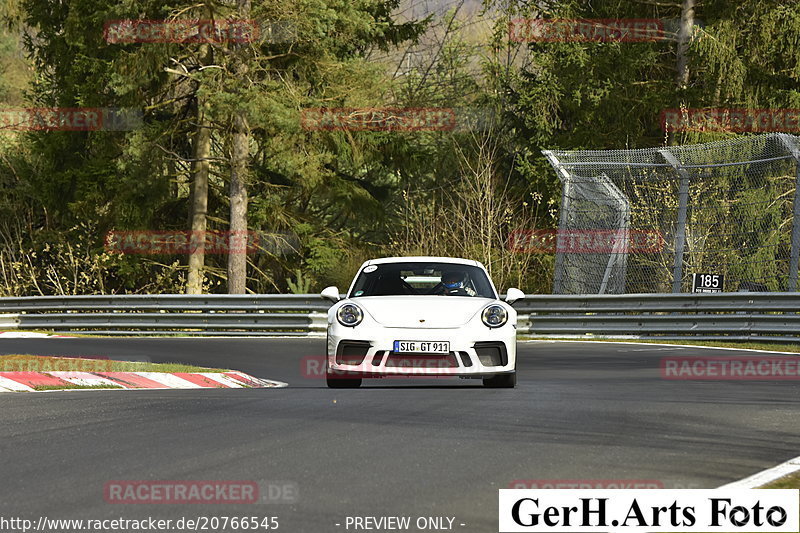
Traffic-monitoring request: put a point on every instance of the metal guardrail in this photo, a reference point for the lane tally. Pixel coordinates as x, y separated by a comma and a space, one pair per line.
206, 314
734, 316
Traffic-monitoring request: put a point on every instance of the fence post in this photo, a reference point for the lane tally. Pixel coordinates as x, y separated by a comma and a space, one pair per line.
619, 253
683, 207
791, 145
565, 176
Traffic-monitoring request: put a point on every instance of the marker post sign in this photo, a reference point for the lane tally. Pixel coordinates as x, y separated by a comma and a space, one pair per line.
707, 282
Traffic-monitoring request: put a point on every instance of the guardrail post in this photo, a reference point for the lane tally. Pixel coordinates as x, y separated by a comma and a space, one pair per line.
791, 145
683, 207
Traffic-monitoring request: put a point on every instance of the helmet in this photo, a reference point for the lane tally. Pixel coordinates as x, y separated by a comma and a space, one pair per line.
453, 279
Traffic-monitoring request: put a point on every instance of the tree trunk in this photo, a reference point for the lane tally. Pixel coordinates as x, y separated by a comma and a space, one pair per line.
684, 37
199, 205
237, 253
240, 150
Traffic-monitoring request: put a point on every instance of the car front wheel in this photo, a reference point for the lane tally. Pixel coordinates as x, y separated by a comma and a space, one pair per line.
340, 382
501, 381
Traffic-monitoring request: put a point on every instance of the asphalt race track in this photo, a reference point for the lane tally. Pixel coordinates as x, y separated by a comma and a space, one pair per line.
404, 447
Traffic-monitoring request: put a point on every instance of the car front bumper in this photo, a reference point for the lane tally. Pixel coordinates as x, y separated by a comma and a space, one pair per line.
474, 352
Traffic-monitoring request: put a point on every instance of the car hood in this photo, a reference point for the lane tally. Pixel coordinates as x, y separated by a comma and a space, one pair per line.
422, 311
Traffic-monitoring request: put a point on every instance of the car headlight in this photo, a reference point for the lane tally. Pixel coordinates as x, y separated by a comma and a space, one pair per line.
349, 315
494, 316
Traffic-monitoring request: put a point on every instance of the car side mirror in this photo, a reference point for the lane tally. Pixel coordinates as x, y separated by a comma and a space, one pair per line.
331, 293
513, 295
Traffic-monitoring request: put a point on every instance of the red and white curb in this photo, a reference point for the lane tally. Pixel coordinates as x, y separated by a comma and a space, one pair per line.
28, 381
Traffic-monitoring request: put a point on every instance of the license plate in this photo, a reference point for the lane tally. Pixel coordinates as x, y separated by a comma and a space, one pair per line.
421, 347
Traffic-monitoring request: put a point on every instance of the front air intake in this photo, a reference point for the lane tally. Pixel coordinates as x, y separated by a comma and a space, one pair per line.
491, 353
352, 352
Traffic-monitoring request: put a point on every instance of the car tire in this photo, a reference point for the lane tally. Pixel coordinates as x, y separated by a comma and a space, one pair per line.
501, 381
338, 382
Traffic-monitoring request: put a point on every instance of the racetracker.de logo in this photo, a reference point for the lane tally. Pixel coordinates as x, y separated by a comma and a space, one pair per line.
199, 492
180, 492
70, 119
731, 368
527, 30
64, 363
598, 241
212, 241
738, 120
427, 366
181, 31
379, 119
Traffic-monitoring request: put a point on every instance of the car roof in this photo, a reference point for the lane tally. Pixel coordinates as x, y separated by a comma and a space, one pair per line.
422, 259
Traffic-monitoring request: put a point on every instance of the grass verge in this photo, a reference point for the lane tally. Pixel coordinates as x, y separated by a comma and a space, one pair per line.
792, 481
36, 363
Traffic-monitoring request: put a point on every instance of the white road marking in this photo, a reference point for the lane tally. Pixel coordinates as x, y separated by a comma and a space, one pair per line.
656, 349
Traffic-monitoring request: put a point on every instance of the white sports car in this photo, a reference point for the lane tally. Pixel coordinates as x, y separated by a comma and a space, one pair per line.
421, 316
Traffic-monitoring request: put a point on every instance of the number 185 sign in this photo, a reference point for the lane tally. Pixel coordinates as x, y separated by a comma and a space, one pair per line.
707, 282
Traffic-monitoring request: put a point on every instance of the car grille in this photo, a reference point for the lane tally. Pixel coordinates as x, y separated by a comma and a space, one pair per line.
489, 354
416, 360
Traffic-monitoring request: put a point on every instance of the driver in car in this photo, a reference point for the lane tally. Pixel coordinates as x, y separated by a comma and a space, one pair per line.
455, 284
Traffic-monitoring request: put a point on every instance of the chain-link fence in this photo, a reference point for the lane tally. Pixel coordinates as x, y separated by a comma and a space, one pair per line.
639, 221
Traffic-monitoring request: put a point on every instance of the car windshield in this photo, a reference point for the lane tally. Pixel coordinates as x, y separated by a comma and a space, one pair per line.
402, 279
